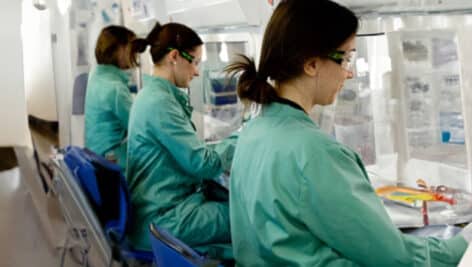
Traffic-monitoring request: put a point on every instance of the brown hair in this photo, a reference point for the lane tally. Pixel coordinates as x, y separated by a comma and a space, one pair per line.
113, 37
297, 30
171, 35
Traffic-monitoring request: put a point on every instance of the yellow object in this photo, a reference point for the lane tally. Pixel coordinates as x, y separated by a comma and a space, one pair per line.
410, 199
410, 196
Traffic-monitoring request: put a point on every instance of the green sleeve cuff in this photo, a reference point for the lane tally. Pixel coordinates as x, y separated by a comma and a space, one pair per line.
457, 245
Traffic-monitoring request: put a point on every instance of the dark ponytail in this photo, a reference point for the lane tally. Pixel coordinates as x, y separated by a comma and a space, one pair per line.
171, 35
154, 34
137, 46
252, 86
157, 51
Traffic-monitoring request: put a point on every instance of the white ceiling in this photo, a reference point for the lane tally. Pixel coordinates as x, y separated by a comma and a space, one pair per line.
402, 6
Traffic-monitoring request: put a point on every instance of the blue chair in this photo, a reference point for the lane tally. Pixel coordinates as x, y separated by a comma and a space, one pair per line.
107, 192
170, 251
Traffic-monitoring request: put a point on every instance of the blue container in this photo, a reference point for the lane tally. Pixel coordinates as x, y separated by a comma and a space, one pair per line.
223, 85
219, 100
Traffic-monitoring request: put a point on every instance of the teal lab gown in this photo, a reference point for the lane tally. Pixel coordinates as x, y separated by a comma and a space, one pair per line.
299, 198
107, 106
166, 165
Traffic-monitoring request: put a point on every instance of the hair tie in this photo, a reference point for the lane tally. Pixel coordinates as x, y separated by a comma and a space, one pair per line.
153, 44
260, 77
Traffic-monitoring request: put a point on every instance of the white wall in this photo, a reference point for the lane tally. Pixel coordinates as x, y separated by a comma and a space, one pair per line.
13, 117
38, 68
62, 65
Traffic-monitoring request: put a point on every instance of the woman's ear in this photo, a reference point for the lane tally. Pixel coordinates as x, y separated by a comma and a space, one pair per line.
311, 66
173, 56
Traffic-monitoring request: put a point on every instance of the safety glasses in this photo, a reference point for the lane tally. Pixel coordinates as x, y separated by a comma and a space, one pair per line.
185, 55
343, 58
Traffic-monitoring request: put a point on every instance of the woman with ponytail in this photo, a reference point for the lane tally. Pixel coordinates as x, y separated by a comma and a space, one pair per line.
108, 99
167, 162
298, 197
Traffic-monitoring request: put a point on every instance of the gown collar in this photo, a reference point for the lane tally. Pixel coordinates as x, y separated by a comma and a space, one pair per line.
121, 74
284, 109
288, 102
181, 97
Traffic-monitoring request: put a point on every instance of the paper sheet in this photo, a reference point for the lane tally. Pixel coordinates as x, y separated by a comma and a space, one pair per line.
466, 260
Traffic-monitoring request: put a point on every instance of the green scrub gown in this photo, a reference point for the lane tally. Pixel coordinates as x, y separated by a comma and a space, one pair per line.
299, 198
107, 106
166, 165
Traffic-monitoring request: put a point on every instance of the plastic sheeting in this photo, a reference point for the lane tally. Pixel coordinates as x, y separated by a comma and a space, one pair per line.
443, 161
382, 46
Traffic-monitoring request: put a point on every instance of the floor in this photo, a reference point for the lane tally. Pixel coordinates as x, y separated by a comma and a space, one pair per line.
22, 240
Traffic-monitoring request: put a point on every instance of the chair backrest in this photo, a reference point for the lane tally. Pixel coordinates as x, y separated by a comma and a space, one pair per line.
105, 187
106, 190
170, 251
